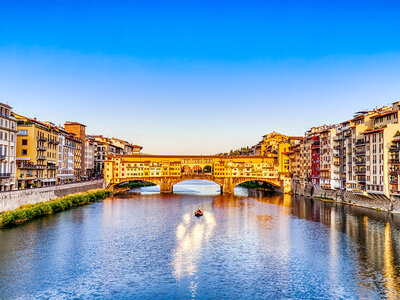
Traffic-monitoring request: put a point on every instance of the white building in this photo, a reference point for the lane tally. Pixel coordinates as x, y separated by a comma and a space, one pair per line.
66, 150
89, 157
8, 138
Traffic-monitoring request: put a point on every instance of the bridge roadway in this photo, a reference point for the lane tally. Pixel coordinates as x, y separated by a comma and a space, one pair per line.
168, 170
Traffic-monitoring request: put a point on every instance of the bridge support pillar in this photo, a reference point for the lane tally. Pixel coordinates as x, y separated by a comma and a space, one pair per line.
286, 186
166, 186
227, 187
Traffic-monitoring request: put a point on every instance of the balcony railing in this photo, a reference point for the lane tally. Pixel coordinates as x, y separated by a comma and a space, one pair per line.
360, 143
30, 166
52, 141
394, 161
360, 162
41, 157
41, 148
5, 175
41, 139
360, 172
360, 153
393, 181
394, 149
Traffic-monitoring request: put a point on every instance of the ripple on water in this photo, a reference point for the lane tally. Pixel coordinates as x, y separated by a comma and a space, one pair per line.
249, 246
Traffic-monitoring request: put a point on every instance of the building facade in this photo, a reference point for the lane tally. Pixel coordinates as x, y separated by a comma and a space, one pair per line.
8, 137
37, 153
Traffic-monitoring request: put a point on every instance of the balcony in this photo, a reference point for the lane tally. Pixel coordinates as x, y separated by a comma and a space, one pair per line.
5, 175
394, 182
360, 153
360, 143
360, 172
41, 139
360, 162
394, 161
395, 192
53, 141
394, 149
51, 167
29, 166
41, 157
41, 148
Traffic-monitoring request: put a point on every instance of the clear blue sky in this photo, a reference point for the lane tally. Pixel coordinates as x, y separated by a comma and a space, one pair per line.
198, 76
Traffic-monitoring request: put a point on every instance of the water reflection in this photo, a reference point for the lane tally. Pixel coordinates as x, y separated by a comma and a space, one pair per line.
192, 235
374, 236
253, 245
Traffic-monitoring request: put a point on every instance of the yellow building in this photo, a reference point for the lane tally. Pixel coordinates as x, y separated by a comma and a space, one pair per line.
37, 153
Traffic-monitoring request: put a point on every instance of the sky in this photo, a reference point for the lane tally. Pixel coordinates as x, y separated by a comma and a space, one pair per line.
198, 77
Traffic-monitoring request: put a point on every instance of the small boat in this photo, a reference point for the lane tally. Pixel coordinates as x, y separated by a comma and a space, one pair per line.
198, 212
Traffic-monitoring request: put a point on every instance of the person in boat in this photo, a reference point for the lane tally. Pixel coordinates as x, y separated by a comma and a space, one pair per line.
199, 210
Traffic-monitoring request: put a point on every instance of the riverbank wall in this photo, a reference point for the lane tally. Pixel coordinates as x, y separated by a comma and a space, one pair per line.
14, 199
374, 201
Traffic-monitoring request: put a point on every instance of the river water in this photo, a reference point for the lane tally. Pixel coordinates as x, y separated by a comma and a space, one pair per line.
253, 245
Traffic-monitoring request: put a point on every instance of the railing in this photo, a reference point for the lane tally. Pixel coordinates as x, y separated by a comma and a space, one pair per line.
5, 175
360, 152
41, 139
360, 172
31, 166
41, 148
52, 141
41, 157
358, 163
360, 143
394, 161
393, 182
394, 148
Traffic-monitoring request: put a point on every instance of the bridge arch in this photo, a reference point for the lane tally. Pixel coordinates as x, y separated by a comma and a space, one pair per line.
197, 169
259, 183
207, 169
186, 169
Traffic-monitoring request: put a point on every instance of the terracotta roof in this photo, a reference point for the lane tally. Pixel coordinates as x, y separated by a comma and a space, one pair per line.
385, 114
373, 130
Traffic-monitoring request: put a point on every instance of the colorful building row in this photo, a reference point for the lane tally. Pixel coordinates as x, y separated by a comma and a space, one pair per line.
360, 155
37, 154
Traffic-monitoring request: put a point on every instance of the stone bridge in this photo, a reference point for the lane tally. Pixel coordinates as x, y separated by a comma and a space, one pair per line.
168, 170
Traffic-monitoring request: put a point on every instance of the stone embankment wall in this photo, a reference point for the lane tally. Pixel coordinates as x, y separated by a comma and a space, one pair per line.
14, 199
374, 201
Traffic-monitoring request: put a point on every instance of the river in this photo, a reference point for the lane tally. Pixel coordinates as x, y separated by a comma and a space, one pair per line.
254, 245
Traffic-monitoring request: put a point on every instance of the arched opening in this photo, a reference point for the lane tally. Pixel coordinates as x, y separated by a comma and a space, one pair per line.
132, 184
257, 184
207, 170
186, 170
197, 186
197, 170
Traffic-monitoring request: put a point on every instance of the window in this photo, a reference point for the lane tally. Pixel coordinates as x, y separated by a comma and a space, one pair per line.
24, 142
24, 152
23, 132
